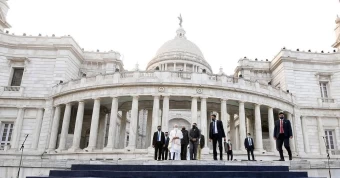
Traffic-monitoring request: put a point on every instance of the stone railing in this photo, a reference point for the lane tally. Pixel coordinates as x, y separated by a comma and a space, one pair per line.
327, 102
11, 90
166, 77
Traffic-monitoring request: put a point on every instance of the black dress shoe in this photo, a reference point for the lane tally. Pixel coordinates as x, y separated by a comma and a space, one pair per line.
215, 158
281, 160
290, 158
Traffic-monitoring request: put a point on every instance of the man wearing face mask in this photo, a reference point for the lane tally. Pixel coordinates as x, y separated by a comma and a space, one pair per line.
229, 150
184, 143
165, 148
216, 133
175, 141
194, 136
158, 142
282, 133
249, 145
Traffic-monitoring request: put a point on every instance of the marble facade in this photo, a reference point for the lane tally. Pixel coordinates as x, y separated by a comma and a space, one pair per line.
82, 106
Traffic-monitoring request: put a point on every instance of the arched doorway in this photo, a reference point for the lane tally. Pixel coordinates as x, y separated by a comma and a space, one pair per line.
180, 122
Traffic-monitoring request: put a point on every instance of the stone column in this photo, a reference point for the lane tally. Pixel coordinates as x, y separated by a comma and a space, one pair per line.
232, 129
166, 66
242, 126
165, 114
194, 110
37, 129
148, 127
122, 134
223, 116
185, 67
17, 128
78, 127
237, 138
65, 127
204, 124
155, 115
54, 129
321, 134
113, 125
94, 126
271, 129
175, 66
305, 134
133, 124
292, 141
258, 129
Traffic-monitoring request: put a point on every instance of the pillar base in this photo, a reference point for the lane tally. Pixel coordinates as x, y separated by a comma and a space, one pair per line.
205, 151
260, 151
108, 149
130, 149
74, 149
60, 150
89, 149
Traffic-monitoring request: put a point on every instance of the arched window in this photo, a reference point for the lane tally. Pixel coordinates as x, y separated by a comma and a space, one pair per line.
117, 70
204, 71
157, 68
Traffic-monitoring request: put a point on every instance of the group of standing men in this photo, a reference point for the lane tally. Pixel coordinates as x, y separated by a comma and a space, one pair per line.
176, 144
178, 140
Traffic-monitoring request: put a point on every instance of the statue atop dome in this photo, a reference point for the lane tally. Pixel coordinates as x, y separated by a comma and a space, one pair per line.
180, 20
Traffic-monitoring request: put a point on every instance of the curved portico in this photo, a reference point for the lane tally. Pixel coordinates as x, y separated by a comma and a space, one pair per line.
156, 98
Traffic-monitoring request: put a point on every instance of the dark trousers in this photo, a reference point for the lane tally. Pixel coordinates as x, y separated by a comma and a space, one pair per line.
230, 153
184, 150
279, 142
216, 138
158, 150
193, 150
165, 154
250, 150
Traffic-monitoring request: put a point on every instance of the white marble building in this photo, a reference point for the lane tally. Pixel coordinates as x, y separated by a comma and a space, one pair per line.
78, 106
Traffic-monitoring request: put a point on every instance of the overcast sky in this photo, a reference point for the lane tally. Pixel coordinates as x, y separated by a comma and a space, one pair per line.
225, 31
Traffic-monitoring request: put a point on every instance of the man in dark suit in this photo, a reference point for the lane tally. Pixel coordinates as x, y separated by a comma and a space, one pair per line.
282, 133
158, 142
194, 136
229, 150
249, 145
165, 148
184, 144
216, 133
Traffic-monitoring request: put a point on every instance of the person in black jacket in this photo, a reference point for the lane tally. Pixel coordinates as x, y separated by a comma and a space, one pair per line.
249, 145
184, 144
216, 133
282, 133
229, 150
165, 148
194, 136
158, 142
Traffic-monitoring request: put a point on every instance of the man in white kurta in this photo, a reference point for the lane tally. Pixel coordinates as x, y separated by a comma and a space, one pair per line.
175, 145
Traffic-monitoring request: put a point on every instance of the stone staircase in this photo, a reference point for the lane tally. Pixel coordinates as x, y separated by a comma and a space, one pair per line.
174, 171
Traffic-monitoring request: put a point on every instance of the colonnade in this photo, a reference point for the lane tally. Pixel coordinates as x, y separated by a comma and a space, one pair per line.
238, 131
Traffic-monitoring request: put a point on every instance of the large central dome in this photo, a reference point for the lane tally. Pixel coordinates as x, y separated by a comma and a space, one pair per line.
180, 44
179, 54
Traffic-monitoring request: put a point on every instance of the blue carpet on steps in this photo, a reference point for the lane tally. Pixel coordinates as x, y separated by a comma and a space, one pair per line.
175, 171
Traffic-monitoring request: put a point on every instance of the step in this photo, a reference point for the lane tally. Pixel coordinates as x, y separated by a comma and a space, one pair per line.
189, 168
178, 174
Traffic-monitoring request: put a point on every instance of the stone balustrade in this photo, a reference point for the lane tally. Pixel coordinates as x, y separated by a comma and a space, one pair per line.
172, 78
